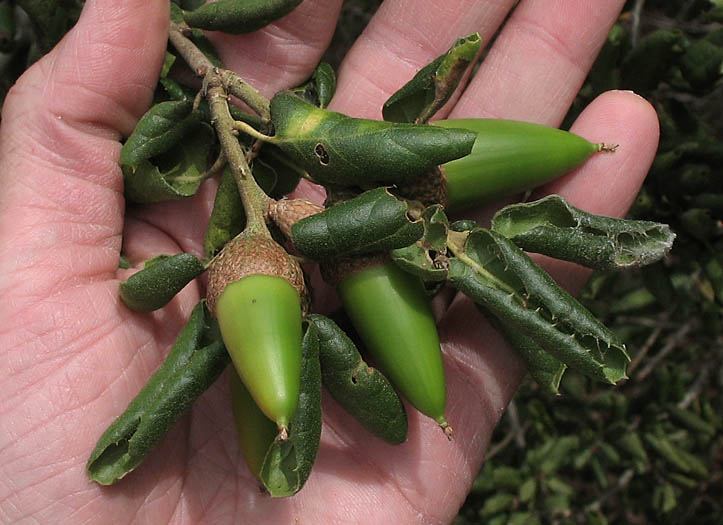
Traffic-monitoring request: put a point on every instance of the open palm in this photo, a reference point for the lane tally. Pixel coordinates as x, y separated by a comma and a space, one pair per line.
72, 356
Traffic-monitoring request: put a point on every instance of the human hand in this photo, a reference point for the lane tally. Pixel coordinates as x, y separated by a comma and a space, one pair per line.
73, 355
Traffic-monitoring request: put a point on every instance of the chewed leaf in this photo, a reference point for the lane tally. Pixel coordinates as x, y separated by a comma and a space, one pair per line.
363, 391
288, 462
173, 174
192, 365
498, 275
427, 258
339, 150
420, 98
553, 227
374, 221
544, 368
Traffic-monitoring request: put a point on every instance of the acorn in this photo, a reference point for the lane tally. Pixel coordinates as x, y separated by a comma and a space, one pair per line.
256, 291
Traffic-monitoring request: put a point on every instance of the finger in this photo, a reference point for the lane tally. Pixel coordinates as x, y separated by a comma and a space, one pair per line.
539, 61
284, 53
401, 38
480, 366
61, 205
608, 183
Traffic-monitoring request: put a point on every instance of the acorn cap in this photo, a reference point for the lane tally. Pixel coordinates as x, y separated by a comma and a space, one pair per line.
287, 212
429, 189
253, 255
339, 269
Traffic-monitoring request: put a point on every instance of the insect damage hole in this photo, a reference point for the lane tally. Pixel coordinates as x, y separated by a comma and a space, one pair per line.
321, 152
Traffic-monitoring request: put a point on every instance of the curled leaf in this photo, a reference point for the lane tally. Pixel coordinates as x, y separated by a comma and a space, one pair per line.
553, 227
161, 279
374, 221
177, 173
427, 258
193, 364
496, 274
339, 150
420, 98
288, 462
362, 390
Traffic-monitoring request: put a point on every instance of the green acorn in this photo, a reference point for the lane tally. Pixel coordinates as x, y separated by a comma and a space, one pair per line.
256, 291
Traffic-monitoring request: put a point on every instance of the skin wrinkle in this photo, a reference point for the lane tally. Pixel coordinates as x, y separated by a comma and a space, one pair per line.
386, 477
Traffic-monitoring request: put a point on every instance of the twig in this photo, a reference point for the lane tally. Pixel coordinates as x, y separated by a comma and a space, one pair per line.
499, 447
622, 483
255, 201
241, 89
694, 390
189, 51
649, 342
637, 10
673, 342
514, 419
231, 81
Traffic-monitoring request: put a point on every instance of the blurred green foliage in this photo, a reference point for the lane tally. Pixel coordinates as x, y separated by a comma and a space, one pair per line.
651, 449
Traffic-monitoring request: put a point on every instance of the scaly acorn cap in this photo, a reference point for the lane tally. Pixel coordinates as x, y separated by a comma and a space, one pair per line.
286, 212
253, 255
338, 269
429, 189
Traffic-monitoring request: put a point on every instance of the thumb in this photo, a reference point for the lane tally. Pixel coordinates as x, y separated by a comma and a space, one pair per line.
61, 205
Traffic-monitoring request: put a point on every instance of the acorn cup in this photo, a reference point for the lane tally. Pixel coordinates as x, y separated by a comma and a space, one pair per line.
257, 292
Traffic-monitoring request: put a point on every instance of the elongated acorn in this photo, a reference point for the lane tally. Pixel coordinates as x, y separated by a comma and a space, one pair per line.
256, 291
390, 310
255, 431
508, 157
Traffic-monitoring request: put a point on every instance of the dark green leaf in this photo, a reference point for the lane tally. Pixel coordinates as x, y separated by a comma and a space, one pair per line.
288, 462
233, 16
372, 222
176, 174
362, 390
325, 82
553, 227
192, 365
227, 218
546, 370
420, 98
496, 274
155, 285
158, 130
340, 150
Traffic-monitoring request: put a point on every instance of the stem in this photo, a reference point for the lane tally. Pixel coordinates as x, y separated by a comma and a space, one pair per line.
239, 88
254, 200
188, 50
231, 81
239, 125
